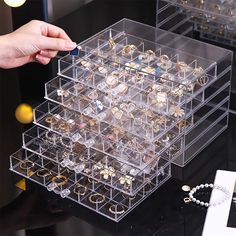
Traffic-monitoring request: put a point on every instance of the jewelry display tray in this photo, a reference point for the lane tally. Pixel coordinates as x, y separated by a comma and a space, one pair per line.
214, 20
130, 102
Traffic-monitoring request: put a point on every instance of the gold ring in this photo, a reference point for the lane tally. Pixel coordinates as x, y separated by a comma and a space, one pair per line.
217, 8
111, 42
129, 49
43, 172
150, 55
138, 78
203, 80
161, 120
59, 180
78, 87
147, 56
96, 198
198, 71
51, 120
93, 122
26, 164
164, 59
93, 95
50, 136
116, 131
114, 209
64, 127
125, 196
182, 66
122, 89
112, 80
79, 189
102, 69
182, 124
86, 64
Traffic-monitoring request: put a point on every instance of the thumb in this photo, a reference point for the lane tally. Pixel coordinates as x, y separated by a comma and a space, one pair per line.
56, 44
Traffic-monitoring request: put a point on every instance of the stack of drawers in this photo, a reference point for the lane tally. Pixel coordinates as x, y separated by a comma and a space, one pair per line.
128, 103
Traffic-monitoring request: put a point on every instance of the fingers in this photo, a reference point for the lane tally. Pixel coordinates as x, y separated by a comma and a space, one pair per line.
54, 32
45, 56
55, 38
41, 59
55, 44
48, 53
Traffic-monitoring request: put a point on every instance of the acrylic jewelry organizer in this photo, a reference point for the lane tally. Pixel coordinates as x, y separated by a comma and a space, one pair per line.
122, 110
214, 20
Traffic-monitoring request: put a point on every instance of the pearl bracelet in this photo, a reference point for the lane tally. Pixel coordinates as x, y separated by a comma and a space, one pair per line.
191, 197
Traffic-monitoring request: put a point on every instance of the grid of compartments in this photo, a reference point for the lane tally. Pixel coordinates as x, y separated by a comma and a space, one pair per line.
120, 111
213, 19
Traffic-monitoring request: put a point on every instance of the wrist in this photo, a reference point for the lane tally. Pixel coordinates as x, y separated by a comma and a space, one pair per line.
5, 51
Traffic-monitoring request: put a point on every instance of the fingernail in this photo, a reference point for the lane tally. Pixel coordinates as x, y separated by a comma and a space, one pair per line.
41, 59
70, 45
37, 58
43, 53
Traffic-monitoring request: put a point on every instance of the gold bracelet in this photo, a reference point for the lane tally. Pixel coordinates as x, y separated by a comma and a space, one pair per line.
114, 209
43, 172
59, 180
96, 198
26, 164
79, 189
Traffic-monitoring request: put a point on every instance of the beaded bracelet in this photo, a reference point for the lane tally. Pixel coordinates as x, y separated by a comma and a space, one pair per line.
191, 197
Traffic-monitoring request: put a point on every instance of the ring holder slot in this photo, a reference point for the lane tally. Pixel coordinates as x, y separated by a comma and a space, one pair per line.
84, 190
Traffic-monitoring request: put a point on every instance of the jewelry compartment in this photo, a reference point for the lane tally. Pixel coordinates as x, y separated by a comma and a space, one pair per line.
109, 170
81, 189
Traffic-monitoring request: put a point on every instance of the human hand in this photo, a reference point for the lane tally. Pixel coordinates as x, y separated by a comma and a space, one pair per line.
34, 41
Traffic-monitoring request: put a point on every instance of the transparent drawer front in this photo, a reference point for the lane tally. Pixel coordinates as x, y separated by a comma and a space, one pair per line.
114, 141
95, 164
96, 196
208, 122
134, 61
